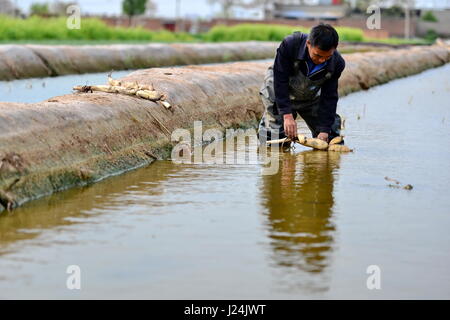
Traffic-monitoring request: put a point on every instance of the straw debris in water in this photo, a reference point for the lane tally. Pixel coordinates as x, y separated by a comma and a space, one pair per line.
314, 143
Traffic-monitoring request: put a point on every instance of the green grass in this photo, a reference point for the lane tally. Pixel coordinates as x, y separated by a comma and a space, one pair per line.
94, 31
42, 29
265, 32
86, 42
395, 41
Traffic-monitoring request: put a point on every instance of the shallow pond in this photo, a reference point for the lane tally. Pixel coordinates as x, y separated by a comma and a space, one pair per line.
311, 230
39, 89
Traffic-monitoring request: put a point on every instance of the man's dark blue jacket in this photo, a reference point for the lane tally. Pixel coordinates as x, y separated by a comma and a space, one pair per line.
284, 68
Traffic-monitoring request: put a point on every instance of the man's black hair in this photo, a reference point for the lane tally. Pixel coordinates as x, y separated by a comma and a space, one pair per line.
324, 36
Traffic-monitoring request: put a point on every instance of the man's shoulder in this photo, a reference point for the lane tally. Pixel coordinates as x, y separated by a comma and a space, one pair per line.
293, 43
339, 60
295, 36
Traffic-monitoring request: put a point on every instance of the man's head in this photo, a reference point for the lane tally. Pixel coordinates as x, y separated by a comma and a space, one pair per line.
322, 42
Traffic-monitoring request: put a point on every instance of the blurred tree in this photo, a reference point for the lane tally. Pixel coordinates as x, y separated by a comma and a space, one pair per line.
359, 6
39, 9
394, 11
133, 8
429, 17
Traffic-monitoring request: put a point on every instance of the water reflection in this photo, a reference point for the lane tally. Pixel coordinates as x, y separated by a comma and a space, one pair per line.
77, 205
299, 202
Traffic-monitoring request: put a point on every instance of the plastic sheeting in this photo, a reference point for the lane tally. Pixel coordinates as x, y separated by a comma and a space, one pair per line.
26, 61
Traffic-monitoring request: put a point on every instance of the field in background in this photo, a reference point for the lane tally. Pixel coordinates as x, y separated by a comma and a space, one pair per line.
94, 31
50, 29
261, 32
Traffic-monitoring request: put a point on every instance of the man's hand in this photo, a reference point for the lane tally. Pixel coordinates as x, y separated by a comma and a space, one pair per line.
323, 136
290, 126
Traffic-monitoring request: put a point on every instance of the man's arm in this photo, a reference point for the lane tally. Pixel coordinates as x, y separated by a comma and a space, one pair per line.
282, 69
328, 100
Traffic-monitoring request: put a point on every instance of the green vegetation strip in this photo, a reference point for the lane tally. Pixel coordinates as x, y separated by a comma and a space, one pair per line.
30, 61
48, 30
264, 32
37, 28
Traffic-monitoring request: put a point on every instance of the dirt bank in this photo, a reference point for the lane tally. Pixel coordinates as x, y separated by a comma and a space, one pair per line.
80, 138
30, 61
27, 61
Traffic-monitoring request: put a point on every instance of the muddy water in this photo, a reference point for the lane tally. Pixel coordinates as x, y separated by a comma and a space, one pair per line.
227, 231
39, 89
